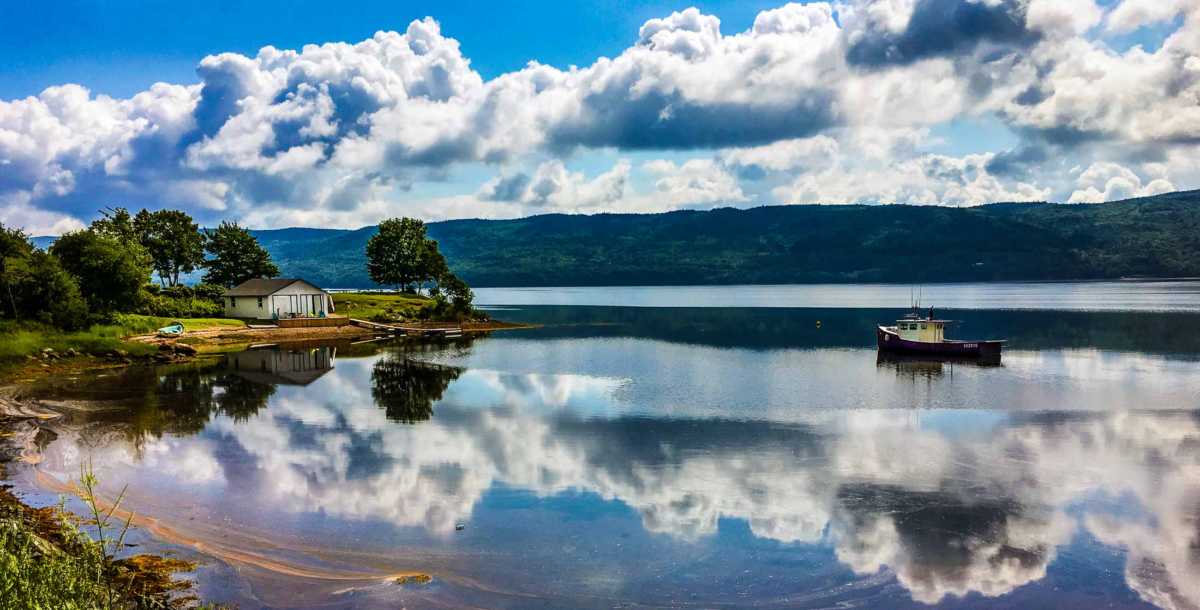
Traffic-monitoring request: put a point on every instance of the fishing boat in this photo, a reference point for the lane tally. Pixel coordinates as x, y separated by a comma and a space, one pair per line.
917, 335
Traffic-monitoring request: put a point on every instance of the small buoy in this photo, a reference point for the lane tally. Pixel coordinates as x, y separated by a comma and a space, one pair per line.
458, 527
818, 324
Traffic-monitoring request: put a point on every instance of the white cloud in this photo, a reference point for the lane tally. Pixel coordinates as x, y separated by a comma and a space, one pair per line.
1130, 15
1109, 181
835, 109
924, 180
553, 186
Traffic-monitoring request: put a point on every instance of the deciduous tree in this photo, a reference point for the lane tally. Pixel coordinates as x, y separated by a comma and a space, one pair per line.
236, 256
173, 241
398, 255
110, 275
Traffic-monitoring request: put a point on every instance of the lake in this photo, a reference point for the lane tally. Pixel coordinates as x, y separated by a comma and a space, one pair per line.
681, 453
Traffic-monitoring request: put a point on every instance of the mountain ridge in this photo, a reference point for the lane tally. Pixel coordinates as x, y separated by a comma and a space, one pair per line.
1157, 236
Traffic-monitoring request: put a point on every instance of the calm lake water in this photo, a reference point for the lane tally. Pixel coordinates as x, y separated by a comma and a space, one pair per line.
1127, 295
696, 456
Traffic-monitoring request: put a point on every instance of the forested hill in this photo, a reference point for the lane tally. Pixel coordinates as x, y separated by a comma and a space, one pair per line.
1155, 237
1151, 237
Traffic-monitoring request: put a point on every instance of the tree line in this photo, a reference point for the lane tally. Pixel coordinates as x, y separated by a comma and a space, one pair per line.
110, 267
88, 275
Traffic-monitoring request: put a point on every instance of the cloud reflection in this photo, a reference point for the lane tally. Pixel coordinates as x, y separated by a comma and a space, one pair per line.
980, 504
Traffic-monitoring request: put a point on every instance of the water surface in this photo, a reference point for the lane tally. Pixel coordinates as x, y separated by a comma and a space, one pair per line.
681, 457
1125, 295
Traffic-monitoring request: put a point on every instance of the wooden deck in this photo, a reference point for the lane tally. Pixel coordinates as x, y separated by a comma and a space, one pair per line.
449, 332
312, 322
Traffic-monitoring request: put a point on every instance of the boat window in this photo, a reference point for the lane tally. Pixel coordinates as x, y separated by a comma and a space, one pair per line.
922, 326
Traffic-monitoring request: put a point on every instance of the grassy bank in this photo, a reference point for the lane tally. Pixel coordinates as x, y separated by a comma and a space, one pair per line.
47, 562
21, 339
378, 306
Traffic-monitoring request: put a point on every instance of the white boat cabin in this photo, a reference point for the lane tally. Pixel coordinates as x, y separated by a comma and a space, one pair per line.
277, 298
922, 330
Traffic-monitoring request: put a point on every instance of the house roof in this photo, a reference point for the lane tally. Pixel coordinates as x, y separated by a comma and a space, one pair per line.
260, 287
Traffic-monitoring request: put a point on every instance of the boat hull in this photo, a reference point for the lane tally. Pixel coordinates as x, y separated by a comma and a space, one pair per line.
891, 342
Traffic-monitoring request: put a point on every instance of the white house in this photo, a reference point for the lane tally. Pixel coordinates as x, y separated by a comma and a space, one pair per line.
277, 298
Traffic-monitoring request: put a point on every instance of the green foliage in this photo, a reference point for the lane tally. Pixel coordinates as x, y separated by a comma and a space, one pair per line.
35, 286
201, 300
110, 275
118, 223
52, 295
173, 241
401, 255
34, 573
175, 307
458, 292
1156, 236
236, 256
47, 562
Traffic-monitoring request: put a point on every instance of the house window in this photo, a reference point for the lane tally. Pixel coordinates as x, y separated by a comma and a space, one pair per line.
233, 301
260, 302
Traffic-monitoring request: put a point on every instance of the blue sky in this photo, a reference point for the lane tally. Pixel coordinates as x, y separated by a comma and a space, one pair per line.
698, 105
120, 48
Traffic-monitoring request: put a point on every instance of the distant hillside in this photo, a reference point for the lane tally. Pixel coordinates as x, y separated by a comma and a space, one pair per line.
1153, 237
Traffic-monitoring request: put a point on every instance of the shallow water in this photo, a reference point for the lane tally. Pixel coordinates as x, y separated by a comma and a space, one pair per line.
706, 457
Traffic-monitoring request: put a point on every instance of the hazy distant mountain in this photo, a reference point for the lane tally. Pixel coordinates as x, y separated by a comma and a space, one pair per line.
1153, 237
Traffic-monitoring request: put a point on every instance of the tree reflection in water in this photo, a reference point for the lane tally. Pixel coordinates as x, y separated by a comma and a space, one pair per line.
406, 389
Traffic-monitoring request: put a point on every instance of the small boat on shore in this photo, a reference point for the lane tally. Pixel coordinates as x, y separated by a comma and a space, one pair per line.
918, 335
172, 330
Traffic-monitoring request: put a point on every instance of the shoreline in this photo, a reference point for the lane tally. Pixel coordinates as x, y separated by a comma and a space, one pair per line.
150, 577
158, 578
212, 340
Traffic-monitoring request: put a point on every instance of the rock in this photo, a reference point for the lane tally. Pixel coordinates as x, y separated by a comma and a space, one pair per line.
47, 350
121, 353
165, 347
183, 348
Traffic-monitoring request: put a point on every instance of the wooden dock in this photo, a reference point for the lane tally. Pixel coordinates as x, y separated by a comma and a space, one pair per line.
446, 332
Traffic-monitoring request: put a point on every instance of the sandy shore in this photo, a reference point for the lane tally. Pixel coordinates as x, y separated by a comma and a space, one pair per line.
220, 339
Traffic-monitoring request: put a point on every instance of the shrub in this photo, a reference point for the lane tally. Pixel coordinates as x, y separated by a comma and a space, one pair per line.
110, 275
178, 307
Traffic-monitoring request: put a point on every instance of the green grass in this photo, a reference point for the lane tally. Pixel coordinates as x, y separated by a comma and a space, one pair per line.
377, 305
37, 574
135, 324
21, 339
47, 562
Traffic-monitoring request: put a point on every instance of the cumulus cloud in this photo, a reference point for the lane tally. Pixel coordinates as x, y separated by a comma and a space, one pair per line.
553, 186
350, 132
1109, 181
840, 478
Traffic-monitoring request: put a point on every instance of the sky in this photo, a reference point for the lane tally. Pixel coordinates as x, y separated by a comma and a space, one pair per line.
277, 114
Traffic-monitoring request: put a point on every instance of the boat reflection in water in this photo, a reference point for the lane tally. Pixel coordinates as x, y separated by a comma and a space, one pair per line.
915, 365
